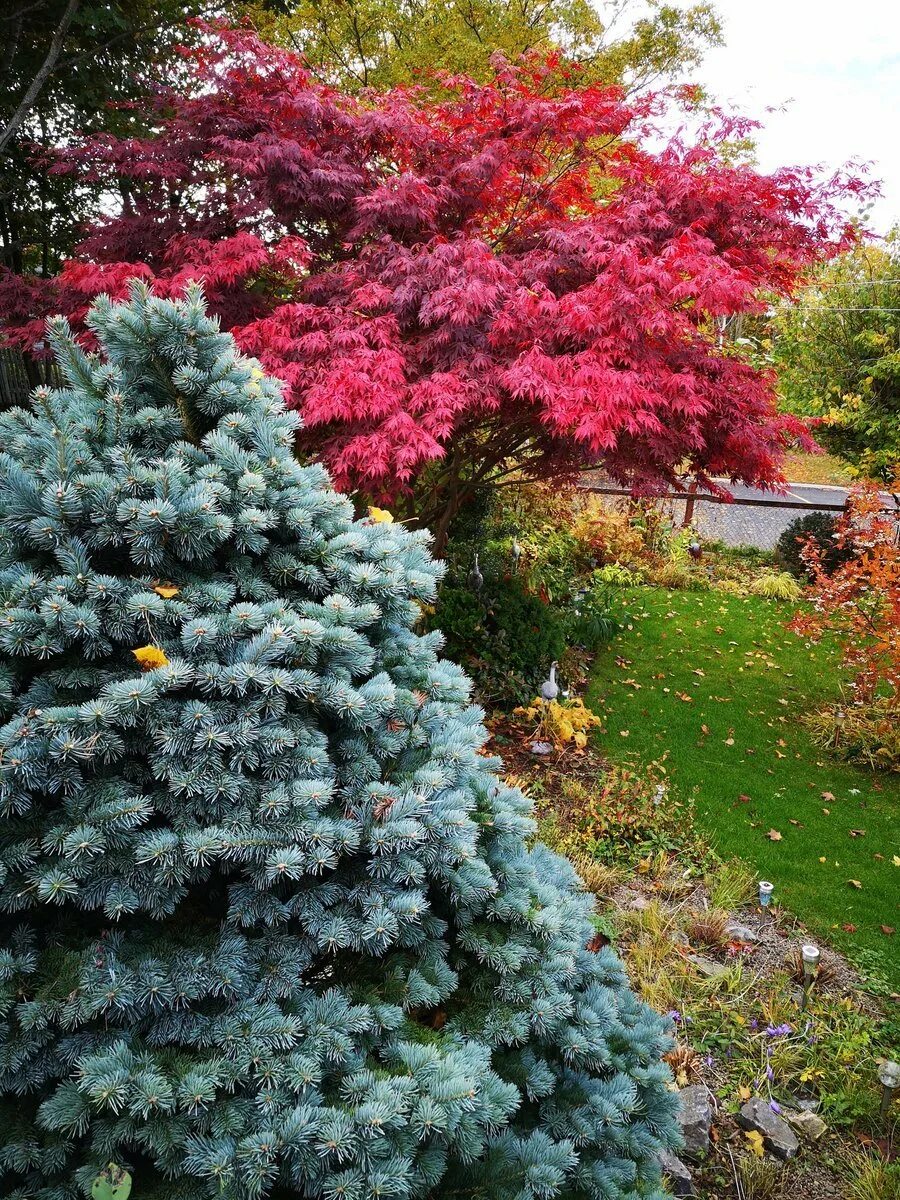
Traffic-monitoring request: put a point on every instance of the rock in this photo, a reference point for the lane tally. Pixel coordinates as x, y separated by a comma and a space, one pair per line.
639, 903
741, 933
777, 1135
707, 967
807, 1124
809, 1105
696, 1120
678, 1174
541, 747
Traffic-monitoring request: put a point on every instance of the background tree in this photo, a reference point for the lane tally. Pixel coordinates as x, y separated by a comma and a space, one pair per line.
68, 67
383, 43
455, 290
270, 922
837, 353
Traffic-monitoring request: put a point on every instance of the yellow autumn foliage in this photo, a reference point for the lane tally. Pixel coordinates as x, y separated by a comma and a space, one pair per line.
150, 657
562, 722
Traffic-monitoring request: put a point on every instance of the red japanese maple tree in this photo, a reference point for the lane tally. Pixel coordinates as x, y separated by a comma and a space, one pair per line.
505, 278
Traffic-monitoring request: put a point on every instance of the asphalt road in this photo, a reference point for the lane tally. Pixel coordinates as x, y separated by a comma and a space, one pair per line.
744, 525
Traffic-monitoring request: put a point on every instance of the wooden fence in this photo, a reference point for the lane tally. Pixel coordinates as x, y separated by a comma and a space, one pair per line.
17, 379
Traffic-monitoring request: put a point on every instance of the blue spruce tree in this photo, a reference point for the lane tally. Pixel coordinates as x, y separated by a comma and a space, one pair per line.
271, 924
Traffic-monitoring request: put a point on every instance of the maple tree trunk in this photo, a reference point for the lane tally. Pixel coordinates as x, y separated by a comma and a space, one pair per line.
468, 473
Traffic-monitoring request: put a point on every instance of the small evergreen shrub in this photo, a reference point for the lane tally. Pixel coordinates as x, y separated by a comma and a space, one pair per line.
592, 618
271, 924
504, 635
818, 527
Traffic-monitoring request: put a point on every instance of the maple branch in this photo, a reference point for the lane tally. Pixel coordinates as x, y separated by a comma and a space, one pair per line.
40, 79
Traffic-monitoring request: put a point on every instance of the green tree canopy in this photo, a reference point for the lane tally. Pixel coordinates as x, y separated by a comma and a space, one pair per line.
837, 354
66, 67
382, 43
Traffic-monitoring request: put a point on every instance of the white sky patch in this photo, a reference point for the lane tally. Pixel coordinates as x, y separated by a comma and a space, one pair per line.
832, 68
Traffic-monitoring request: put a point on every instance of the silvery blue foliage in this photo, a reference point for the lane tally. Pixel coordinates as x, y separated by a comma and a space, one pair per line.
271, 923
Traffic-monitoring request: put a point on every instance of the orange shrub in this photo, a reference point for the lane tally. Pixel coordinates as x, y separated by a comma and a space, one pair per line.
859, 603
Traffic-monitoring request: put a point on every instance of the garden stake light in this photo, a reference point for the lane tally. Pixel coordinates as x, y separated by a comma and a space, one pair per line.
889, 1078
765, 892
810, 956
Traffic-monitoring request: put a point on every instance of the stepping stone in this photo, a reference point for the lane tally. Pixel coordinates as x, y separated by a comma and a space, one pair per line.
706, 966
680, 1179
741, 933
695, 1117
807, 1124
778, 1137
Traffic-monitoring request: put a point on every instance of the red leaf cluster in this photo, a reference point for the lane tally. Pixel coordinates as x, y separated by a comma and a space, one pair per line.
507, 274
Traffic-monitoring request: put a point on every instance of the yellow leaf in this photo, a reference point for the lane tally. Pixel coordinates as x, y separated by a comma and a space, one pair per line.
381, 516
896, 860
744, 1092
643, 866
150, 657
854, 883
755, 1138
166, 590
580, 740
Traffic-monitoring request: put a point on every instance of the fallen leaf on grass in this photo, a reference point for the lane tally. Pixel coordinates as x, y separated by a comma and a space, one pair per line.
857, 833
828, 795
848, 928
854, 883
773, 835
704, 729
729, 741
888, 930
896, 860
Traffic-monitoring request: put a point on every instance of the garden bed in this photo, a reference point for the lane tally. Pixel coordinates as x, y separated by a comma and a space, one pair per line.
698, 946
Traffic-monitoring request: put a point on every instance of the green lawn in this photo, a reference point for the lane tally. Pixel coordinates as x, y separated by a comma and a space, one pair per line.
715, 684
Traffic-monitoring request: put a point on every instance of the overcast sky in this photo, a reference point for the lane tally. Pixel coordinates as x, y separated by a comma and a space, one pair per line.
835, 65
